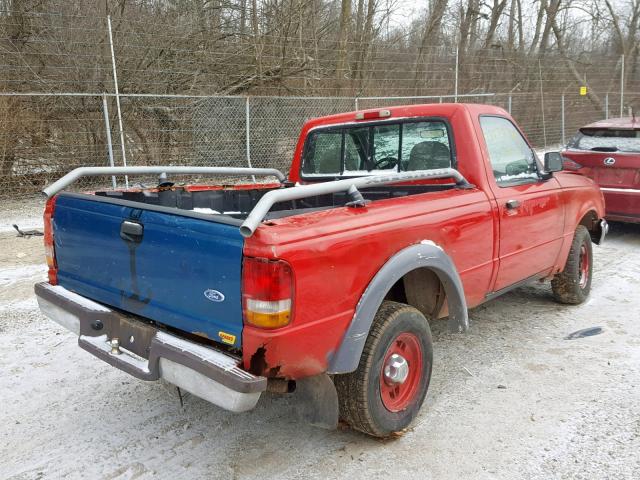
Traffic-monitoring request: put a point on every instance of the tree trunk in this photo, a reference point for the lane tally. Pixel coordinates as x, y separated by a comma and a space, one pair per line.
343, 37
521, 44
539, 19
367, 36
496, 13
243, 17
431, 32
552, 13
511, 37
594, 98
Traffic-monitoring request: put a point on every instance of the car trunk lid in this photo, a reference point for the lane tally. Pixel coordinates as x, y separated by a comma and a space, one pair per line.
608, 169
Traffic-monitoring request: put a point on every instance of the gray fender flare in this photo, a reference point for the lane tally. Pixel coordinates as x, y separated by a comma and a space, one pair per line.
422, 255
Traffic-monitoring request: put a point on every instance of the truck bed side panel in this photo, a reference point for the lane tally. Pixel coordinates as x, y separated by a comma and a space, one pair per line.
336, 253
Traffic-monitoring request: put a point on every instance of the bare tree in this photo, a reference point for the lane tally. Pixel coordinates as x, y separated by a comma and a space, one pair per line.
343, 39
494, 18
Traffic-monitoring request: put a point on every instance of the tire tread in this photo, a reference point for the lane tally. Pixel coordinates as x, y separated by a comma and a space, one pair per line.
352, 387
565, 285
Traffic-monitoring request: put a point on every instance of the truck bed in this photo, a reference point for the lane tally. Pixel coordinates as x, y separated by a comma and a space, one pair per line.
173, 255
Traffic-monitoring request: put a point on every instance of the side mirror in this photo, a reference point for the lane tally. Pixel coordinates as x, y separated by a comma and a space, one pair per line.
552, 162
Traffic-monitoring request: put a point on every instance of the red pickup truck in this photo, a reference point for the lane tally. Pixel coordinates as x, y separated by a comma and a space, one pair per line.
324, 282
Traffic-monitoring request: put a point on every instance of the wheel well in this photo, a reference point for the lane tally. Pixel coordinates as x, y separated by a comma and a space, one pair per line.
421, 288
590, 221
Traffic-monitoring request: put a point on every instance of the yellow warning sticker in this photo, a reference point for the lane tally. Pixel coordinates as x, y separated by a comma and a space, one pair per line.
583, 91
227, 338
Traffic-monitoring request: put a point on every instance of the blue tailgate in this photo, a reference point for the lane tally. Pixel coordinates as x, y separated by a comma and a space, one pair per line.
182, 271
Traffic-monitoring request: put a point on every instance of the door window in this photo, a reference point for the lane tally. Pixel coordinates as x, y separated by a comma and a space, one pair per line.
512, 160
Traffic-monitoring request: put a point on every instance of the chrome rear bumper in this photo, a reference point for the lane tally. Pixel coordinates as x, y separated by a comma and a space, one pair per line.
149, 353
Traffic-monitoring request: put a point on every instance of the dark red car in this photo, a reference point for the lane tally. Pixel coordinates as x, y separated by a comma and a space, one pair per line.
608, 152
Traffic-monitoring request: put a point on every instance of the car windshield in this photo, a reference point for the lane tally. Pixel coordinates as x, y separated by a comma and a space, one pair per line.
607, 140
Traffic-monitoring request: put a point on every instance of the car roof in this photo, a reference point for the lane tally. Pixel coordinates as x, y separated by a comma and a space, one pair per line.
616, 123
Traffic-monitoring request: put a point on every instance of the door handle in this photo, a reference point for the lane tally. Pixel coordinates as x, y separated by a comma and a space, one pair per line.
131, 231
512, 204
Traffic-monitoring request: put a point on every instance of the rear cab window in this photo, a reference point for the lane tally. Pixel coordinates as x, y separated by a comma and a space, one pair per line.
421, 144
607, 140
512, 160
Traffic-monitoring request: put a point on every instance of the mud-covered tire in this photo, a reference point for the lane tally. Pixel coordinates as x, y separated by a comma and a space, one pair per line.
573, 284
366, 396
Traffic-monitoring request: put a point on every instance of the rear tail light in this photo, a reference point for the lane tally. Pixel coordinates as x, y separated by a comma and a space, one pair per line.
267, 292
568, 164
49, 248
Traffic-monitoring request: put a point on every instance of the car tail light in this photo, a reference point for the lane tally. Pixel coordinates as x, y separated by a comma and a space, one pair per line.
267, 292
49, 248
571, 165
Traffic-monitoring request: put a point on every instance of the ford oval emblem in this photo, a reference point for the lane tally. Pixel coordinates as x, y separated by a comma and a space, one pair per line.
214, 295
609, 161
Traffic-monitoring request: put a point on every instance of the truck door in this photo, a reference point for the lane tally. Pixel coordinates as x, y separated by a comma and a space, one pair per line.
530, 212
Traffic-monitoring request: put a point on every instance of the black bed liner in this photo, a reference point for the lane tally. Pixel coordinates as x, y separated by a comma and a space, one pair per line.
237, 203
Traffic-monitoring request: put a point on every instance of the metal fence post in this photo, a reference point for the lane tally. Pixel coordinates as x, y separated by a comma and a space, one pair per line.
455, 91
622, 87
107, 128
509, 105
356, 102
117, 92
606, 106
544, 124
247, 121
562, 118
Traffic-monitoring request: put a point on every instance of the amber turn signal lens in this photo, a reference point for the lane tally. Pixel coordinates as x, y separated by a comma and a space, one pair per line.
267, 320
267, 292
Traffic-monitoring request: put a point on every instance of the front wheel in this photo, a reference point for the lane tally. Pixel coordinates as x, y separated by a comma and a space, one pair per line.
385, 393
573, 284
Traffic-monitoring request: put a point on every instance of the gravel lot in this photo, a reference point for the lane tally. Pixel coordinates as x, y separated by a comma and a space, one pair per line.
568, 409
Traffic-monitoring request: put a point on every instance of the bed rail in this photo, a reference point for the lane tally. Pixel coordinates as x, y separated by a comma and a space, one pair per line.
75, 175
263, 206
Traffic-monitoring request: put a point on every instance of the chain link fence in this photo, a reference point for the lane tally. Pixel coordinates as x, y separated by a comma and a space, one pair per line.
49, 135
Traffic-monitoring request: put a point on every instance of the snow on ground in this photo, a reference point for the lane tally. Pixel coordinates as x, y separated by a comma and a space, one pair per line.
19, 305
569, 409
11, 275
26, 213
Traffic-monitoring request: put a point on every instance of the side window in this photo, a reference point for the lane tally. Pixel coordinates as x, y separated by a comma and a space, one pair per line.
512, 160
323, 153
425, 146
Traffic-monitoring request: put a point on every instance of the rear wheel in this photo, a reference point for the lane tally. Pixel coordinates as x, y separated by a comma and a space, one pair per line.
573, 284
385, 393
